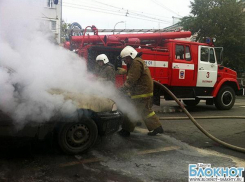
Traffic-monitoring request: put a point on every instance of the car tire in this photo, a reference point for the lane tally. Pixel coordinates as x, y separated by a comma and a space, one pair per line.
191, 103
77, 137
225, 98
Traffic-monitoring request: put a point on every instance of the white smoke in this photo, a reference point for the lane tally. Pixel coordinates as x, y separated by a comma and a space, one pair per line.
30, 65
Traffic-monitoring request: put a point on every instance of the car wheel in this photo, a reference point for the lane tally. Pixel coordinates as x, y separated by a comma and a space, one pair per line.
191, 102
77, 137
225, 98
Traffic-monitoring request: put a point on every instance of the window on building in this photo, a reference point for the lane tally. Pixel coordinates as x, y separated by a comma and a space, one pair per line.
182, 52
53, 25
50, 3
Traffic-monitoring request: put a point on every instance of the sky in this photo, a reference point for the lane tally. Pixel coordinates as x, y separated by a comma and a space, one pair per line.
135, 14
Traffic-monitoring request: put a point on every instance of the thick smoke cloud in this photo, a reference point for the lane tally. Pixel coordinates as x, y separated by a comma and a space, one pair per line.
30, 65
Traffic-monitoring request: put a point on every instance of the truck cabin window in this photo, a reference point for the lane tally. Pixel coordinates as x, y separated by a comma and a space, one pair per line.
204, 54
182, 52
212, 57
207, 54
187, 53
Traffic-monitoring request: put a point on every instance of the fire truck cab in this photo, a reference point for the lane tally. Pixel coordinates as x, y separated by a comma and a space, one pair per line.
189, 69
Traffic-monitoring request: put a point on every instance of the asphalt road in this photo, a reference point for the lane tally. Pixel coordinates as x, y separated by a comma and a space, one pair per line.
228, 130
139, 158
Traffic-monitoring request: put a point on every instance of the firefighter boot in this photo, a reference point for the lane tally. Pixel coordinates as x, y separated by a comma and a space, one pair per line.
124, 133
156, 131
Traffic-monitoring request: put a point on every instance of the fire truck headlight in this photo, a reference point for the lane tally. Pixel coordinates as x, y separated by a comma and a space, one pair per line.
114, 107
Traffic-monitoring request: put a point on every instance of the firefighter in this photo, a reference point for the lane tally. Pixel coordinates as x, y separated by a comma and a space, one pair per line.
140, 86
106, 71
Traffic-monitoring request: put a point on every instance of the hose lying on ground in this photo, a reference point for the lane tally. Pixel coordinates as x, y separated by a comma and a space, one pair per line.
233, 147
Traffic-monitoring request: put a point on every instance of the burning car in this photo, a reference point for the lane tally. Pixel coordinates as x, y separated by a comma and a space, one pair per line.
76, 132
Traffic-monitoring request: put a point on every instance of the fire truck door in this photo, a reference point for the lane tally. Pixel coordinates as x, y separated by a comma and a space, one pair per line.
207, 67
182, 67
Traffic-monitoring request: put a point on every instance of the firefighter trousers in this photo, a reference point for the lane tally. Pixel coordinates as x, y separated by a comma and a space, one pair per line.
144, 108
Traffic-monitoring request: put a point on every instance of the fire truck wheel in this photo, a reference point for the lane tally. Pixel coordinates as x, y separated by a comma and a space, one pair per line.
191, 102
77, 137
225, 98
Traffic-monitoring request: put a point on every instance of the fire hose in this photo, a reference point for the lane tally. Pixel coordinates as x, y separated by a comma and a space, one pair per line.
233, 147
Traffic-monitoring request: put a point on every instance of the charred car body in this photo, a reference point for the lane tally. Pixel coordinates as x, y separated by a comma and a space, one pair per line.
76, 132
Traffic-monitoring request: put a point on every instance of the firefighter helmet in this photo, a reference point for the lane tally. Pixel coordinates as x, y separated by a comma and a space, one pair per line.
128, 51
102, 57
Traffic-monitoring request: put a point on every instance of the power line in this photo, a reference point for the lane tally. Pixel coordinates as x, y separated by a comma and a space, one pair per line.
94, 9
150, 17
127, 11
71, 4
160, 4
117, 12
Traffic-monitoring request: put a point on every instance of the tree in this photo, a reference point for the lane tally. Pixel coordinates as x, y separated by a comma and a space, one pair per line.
224, 20
64, 28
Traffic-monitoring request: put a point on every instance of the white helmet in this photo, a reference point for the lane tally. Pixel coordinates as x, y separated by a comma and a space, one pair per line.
102, 57
128, 51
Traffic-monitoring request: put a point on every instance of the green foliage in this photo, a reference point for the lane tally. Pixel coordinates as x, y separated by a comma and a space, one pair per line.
64, 28
224, 20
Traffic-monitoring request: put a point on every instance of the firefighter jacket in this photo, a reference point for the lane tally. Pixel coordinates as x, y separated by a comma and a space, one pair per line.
107, 73
139, 81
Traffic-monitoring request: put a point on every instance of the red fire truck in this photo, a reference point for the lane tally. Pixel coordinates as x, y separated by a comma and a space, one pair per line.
189, 69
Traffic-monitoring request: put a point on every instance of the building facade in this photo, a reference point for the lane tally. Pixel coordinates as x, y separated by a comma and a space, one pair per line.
52, 16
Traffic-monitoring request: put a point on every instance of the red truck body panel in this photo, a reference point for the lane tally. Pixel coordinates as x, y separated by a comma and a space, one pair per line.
189, 69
